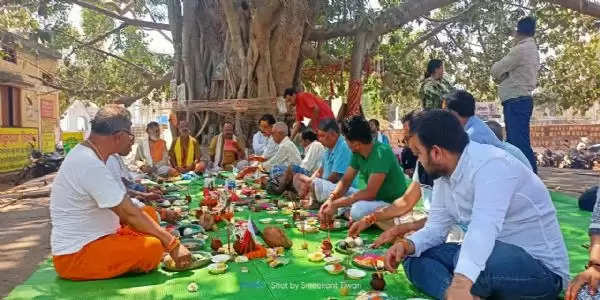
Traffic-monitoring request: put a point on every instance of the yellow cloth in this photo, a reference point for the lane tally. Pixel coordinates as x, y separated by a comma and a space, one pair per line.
189, 159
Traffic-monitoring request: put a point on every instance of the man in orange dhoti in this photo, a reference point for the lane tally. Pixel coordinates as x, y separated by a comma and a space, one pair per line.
185, 151
88, 206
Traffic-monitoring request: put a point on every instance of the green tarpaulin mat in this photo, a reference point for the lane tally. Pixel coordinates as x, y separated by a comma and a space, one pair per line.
300, 279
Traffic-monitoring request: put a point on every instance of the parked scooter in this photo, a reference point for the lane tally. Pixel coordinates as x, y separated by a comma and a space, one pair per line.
41, 164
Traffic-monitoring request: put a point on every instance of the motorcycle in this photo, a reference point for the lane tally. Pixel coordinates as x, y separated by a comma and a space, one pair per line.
41, 164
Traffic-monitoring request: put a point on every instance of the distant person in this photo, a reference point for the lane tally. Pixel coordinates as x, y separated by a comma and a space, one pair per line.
185, 151
408, 160
153, 154
510, 148
226, 149
517, 75
261, 138
434, 85
377, 134
462, 105
307, 106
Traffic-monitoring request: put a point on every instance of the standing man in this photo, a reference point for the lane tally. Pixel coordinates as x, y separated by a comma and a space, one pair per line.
517, 75
307, 106
185, 151
513, 247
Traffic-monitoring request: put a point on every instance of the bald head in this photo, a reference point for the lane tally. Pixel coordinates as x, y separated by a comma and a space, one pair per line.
280, 131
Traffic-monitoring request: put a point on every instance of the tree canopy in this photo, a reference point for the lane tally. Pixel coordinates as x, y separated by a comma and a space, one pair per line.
107, 56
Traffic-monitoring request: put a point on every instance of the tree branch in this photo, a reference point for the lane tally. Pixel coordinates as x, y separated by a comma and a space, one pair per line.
588, 7
133, 22
433, 32
152, 85
99, 38
386, 21
154, 20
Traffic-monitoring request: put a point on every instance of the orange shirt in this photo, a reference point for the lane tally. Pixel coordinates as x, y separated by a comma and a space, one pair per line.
157, 150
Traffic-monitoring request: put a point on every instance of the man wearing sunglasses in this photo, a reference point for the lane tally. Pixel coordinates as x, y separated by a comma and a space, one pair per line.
97, 231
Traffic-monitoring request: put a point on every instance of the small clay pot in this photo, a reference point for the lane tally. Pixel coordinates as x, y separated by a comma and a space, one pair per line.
326, 245
215, 244
377, 282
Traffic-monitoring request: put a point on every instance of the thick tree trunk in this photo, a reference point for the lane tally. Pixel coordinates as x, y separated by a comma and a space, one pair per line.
238, 49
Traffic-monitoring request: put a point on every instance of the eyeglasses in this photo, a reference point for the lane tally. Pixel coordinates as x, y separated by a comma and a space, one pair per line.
130, 135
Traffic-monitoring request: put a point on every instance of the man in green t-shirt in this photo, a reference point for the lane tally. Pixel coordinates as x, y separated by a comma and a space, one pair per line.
380, 178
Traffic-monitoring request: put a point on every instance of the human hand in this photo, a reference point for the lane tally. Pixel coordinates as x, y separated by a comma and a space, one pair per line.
388, 236
591, 277
358, 227
150, 196
181, 256
326, 211
460, 288
393, 257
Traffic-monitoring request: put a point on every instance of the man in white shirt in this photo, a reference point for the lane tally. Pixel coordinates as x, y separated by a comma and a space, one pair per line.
517, 75
513, 247
88, 206
260, 139
287, 154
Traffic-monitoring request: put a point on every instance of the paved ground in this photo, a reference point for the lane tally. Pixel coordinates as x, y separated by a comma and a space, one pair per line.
25, 235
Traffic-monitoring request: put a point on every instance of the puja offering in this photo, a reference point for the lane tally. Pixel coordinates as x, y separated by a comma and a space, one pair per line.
316, 256
302, 226
355, 274
192, 244
199, 260
334, 225
332, 259
190, 229
275, 237
241, 259
375, 295
368, 260
377, 282
350, 245
277, 262
334, 269
216, 244
192, 287
265, 220
217, 268
221, 258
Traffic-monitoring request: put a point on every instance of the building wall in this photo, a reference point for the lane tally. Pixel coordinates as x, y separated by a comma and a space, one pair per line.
37, 110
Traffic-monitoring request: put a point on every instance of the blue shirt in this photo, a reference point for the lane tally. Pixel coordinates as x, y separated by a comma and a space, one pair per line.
337, 160
259, 143
479, 132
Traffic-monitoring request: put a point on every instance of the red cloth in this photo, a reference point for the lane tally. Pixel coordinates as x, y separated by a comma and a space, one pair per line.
305, 104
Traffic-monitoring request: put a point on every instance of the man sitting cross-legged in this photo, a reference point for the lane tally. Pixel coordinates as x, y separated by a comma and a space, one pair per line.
185, 151
226, 149
513, 247
334, 161
380, 178
88, 206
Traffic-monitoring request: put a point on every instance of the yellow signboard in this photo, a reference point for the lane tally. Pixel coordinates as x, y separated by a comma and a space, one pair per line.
15, 147
47, 135
71, 139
